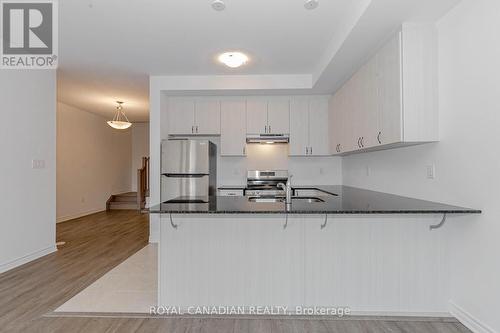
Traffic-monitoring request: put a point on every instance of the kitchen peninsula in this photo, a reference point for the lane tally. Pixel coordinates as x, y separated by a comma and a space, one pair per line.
334, 246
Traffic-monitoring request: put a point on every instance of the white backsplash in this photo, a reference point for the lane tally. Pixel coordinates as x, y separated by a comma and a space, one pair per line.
305, 170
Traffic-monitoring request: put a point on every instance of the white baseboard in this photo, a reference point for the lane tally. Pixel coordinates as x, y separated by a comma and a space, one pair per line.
75, 216
153, 238
468, 320
402, 314
27, 258
154, 228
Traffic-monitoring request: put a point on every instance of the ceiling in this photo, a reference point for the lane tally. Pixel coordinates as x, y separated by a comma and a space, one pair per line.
109, 48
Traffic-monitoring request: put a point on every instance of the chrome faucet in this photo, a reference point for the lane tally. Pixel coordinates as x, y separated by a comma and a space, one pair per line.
288, 189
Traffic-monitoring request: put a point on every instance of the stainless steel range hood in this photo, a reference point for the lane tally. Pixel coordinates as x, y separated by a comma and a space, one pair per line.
268, 138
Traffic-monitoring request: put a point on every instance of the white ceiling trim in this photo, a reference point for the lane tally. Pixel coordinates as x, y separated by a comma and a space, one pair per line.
229, 83
339, 39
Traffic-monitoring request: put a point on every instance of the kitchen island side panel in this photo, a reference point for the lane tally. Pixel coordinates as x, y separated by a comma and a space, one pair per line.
384, 264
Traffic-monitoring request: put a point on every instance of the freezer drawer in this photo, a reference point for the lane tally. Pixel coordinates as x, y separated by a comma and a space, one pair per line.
185, 157
185, 187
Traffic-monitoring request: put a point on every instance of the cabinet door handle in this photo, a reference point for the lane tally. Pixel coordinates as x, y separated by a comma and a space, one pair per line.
269, 129
378, 137
311, 150
265, 129
196, 128
359, 145
307, 152
362, 144
192, 129
244, 150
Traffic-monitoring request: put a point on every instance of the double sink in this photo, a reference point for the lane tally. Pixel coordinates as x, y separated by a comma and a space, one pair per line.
300, 195
281, 199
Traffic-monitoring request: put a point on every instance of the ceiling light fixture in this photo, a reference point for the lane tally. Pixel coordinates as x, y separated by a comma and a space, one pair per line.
233, 59
218, 5
311, 4
120, 120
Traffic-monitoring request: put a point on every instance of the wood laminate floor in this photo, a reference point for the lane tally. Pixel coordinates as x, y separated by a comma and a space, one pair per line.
97, 243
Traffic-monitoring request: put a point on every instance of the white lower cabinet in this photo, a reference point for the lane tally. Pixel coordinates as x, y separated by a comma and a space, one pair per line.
392, 99
309, 126
233, 128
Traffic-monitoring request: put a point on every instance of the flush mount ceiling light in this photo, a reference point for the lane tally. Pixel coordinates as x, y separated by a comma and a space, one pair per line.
233, 59
218, 5
120, 120
311, 4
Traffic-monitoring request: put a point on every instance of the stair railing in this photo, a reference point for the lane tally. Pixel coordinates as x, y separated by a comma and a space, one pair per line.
143, 183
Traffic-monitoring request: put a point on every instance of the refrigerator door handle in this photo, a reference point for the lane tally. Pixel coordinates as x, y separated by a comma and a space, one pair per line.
184, 175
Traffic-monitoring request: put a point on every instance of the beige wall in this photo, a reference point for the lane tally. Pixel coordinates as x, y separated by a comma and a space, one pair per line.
93, 162
140, 149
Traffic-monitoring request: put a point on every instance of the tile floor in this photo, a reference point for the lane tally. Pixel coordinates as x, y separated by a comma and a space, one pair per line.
131, 287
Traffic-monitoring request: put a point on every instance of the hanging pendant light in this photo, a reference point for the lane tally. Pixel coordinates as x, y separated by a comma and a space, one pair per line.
120, 120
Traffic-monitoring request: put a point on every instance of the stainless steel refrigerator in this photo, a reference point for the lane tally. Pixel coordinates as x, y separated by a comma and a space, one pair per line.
188, 170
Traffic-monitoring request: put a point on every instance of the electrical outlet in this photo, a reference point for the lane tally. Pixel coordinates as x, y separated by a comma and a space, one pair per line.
431, 171
38, 164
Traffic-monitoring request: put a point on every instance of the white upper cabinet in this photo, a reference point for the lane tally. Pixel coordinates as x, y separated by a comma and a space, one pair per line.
309, 126
256, 115
181, 116
299, 126
390, 101
368, 109
191, 116
268, 115
318, 126
233, 127
278, 115
389, 94
207, 117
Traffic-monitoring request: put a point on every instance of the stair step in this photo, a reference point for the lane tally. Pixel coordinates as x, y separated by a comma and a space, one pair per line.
120, 198
122, 205
127, 194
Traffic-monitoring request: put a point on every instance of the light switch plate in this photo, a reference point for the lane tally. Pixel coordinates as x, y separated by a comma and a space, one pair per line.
431, 171
38, 164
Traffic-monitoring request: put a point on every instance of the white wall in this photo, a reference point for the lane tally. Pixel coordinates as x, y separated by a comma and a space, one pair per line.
28, 131
93, 162
467, 161
140, 149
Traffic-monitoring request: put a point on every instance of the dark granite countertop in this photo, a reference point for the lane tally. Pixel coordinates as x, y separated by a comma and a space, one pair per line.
232, 187
346, 200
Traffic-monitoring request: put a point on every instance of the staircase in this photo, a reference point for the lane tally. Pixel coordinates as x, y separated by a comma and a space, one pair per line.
134, 200
122, 201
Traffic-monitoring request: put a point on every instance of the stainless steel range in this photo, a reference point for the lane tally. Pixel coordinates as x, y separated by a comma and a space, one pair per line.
264, 184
